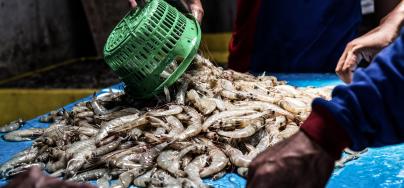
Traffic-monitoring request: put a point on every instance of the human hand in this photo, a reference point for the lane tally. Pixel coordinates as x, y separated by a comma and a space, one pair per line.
368, 45
192, 6
294, 162
35, 178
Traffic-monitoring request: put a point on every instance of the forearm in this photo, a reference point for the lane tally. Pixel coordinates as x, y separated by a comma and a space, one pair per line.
395, 18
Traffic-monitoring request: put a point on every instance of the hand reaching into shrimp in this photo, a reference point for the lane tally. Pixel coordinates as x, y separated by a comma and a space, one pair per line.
368, 45
192, 6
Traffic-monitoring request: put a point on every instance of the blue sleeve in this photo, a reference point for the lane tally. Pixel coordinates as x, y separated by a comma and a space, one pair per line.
371, 109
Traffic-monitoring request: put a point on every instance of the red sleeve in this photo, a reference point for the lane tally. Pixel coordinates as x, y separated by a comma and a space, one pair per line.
324, 130
242, 41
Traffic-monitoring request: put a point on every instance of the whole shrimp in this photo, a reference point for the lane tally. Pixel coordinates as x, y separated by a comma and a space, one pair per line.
180, 97
247, 131
294, 105
204, 105
23, 135
194, 167
194, 127
12, 126
157, 122
224, 114
144, 180
126, 178
149, 156
172, 110
19, 159
263, 106
89, 175
262, 145
169, 160
236, 156
120, 125
103, 181
161, 178
176, 126
78, 160
217, 163
106, 148
23, 168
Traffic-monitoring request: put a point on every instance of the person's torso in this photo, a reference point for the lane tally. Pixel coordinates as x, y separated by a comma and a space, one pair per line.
301, 35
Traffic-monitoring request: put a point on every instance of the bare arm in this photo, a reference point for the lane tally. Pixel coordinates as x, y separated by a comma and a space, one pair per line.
368, 45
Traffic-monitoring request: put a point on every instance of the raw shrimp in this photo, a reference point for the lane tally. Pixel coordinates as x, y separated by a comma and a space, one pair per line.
12, 126
224, 114
28, 156
157, 122
107, 140
294, 105
194, 167
236, 156
290, 130
262, 145
23, 135
172, 110
176, 126
89, 175
23, 168
144, 180
170, 160
161, 178
103, 182
78, 160
194, 127
149, 156
119, 125
247, 131
204, 105
106, 148
262, 106
126, 178
135, 133
218, 161
242, 171
180, 97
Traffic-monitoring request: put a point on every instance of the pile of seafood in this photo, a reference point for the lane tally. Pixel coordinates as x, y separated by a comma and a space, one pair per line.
212, 121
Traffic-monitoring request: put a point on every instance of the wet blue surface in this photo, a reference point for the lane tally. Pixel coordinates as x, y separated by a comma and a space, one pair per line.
380, 167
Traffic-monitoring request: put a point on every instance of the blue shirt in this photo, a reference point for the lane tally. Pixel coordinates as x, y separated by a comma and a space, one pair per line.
303, 35
371, 109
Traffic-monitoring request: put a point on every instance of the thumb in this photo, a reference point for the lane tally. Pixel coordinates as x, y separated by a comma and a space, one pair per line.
197, 15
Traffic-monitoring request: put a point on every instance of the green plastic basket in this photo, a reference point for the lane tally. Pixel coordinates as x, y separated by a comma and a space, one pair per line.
146, 41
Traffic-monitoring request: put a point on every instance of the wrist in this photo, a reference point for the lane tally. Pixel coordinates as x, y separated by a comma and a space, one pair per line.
321, 127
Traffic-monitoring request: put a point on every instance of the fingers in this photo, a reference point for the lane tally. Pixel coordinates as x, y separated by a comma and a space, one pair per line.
196, 9
132, 3
348, 63
198, 15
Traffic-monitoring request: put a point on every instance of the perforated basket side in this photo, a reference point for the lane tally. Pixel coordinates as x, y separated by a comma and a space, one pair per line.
152, 43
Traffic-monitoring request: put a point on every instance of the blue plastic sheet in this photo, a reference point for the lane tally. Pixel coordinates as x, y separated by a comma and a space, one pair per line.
380, 167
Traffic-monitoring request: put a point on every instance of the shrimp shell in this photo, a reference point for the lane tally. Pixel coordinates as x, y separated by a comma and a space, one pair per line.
224, 114
172, 110
247, 131
218, 162
119, 125
12, 126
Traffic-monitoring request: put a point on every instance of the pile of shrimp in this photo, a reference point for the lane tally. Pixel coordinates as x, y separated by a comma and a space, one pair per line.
210, 122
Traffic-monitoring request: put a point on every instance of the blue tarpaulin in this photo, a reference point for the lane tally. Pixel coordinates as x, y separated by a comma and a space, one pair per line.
378, 167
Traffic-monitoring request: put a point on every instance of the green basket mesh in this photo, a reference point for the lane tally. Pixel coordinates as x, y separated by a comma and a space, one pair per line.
146, 42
